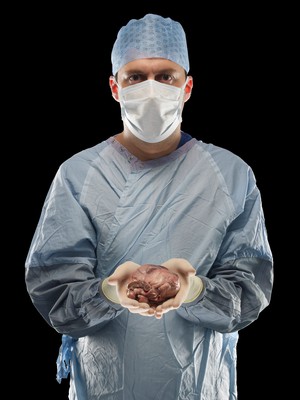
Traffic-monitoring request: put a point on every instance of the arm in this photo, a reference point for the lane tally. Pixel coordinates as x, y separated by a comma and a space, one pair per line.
60, 266
238, 285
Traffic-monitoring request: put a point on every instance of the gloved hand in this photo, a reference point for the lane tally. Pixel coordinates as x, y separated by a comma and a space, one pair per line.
190, 285
115, 289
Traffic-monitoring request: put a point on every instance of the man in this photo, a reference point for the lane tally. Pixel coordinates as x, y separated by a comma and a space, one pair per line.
151, 194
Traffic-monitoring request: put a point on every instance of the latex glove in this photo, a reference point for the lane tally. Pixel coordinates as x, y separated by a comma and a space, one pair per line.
190, 285
115, 289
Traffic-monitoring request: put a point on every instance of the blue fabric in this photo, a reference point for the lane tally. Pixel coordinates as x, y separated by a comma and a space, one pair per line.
148, 37
185, 137
105, 207
64, 358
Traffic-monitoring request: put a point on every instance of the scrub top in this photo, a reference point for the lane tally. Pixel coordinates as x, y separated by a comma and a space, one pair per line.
105, 207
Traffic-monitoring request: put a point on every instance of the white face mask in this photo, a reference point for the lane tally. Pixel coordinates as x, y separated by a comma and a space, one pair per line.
151, 110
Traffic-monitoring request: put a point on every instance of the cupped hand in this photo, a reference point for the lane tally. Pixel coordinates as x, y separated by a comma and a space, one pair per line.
185, 271
120, 279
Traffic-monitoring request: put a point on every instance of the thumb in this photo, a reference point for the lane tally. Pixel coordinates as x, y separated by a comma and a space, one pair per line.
180, 265
122, 272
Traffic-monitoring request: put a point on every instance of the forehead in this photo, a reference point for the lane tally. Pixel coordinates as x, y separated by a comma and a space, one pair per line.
150, 66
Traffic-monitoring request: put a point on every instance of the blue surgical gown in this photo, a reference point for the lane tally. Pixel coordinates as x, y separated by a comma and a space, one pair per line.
106, 207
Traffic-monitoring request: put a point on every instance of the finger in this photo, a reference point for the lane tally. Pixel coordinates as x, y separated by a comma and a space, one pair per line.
122, 272
160, 312
164, 308
179, 265
145, 313
134, 305
173, 303
148, 313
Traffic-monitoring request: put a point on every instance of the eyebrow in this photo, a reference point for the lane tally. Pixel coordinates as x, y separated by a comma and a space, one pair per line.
143, 72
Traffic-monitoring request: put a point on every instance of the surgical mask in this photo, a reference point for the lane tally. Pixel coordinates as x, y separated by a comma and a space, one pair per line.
151, 110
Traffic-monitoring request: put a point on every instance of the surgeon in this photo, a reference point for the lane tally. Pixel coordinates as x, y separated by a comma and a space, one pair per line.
150, 194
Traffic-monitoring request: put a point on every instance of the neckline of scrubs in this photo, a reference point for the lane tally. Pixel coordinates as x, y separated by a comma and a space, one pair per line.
137, 164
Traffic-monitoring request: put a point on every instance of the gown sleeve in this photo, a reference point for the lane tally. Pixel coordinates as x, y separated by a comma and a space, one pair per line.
239, 284
61, 263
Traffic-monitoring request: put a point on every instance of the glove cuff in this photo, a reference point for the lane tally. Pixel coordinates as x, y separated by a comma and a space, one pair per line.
196, 287
109, 291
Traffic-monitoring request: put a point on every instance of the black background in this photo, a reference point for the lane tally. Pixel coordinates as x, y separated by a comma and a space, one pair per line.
58, 86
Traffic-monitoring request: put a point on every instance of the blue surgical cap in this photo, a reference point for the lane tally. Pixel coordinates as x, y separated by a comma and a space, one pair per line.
148, 37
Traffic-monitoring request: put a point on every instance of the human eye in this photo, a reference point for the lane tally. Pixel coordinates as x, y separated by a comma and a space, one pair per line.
135, 78
165, 78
